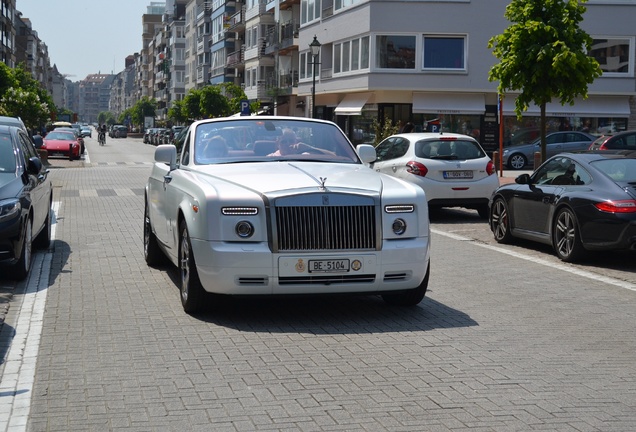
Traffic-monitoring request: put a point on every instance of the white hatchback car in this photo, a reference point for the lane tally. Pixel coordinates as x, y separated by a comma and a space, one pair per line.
453, 169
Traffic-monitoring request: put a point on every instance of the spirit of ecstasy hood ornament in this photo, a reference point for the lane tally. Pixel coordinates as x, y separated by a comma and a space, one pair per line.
322, 183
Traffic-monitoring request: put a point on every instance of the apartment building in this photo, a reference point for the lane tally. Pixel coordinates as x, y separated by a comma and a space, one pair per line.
7, 32
427, 62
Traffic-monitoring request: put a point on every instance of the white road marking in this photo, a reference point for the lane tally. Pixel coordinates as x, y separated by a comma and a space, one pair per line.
16, 383
560, 266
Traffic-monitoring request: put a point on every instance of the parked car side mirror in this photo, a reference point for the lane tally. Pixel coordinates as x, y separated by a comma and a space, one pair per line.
34, 166
523, 179
38, 141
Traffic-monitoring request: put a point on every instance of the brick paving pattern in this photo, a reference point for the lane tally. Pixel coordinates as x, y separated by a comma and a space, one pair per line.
493, 347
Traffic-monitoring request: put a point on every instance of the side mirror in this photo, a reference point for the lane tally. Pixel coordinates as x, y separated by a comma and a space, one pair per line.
34, 166
167, 153
523, 179
366, 153
37, 140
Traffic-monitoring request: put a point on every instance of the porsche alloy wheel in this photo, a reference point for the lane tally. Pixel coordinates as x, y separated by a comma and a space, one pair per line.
192, 293
565, 236
500, 222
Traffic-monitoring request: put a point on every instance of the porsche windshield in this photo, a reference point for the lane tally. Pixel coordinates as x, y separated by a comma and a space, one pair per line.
254, 139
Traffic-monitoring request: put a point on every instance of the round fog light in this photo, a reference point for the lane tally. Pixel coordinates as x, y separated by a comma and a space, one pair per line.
244, 229
399, 226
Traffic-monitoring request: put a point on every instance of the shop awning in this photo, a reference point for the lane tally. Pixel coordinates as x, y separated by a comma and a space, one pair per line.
449, 103
594, 106
352, 104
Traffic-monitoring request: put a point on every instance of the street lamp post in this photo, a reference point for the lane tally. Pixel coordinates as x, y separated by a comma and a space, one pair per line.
314, 46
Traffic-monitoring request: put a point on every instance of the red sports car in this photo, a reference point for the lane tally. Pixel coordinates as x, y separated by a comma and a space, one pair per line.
62, 143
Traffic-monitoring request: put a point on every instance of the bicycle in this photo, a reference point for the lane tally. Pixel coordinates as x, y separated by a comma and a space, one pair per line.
101, 138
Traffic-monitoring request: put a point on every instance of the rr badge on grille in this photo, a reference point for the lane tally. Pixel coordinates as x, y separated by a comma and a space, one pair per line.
325, 200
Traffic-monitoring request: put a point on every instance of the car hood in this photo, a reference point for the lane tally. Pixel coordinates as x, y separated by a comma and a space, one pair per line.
10, 185
58, 143
280, 177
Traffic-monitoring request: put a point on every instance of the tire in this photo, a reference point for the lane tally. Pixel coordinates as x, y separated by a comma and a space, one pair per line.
23, 265
517, 161
410, 297
152, 252
565, 236
43, 239
500, 221
192, 293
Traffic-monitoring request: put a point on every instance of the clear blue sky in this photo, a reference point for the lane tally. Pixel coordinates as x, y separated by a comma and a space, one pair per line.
87, 36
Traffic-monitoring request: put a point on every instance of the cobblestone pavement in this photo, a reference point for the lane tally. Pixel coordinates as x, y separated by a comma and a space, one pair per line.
499, 344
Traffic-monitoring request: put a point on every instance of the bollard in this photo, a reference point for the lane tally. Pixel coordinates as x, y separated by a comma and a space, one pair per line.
537, 159
44, 156
70, 152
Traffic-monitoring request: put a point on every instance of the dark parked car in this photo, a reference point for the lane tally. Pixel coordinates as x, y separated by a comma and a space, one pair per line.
620, 141
518, 156
118, 131
25, 201
576, 202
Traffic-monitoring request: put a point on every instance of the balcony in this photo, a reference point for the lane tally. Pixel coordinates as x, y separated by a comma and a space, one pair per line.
235, 58
286, 4
236, 23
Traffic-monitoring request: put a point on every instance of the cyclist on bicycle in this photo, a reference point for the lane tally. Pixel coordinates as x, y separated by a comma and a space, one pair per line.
101, 137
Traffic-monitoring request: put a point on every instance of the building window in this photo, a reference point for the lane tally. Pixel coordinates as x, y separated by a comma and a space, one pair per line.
309, 10
217, 29
614, 55
443, 52
339, 4
351, 56
395, 52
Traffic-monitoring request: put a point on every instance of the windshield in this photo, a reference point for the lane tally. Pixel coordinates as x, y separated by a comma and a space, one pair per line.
253, 140
65, 136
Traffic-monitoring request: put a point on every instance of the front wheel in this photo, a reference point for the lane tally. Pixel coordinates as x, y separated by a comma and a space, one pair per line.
22, 267
565, 236
517, 161
152, 252
192, 293
410, 297
500, 221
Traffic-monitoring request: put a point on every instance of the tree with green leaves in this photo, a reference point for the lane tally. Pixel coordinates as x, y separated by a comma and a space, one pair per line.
543, 54
213, 103
145, 107
177, 112
22, 96
106, 117
192, 104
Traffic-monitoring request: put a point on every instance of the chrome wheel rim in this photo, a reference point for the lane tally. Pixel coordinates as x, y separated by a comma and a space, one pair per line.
146, 232
565, 234
499, 220
517, 161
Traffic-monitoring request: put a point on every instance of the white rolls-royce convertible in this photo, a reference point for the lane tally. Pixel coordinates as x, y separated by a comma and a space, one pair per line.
266, 205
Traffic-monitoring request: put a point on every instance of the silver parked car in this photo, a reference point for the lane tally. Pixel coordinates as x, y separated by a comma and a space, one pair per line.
519, 156
283, 205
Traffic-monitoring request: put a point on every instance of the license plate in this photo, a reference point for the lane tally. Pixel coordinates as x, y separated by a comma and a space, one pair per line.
329, 266
458, 174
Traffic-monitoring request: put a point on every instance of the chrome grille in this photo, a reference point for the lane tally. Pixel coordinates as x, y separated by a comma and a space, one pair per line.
311, 228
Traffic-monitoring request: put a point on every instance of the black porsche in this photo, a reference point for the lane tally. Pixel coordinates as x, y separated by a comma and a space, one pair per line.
576, 202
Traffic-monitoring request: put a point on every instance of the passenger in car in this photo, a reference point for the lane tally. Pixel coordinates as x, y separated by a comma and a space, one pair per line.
288, 144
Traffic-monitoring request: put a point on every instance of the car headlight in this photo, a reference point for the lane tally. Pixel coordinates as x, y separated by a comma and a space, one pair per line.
9, 209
